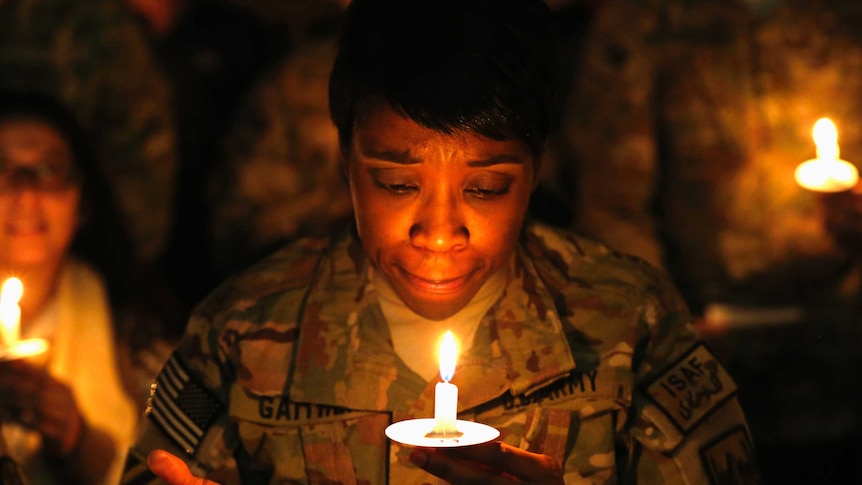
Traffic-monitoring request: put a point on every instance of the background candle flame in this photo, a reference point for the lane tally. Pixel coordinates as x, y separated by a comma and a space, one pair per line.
11, 292
827, 172
10, 312
826, 139
448, 356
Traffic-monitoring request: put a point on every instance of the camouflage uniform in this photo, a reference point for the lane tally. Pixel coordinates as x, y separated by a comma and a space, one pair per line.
689, 117
287, 374
282, 178
91, 55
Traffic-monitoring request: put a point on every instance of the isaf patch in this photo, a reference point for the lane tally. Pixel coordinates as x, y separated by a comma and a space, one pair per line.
182, 407
729, 459
692, 388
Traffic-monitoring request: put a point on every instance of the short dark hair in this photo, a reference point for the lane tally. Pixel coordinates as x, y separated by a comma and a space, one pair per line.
481, 66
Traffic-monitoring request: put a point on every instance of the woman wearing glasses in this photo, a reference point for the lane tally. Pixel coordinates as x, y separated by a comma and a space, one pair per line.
65, 414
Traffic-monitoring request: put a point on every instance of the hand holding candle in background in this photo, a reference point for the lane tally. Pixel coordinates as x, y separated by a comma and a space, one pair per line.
827, 172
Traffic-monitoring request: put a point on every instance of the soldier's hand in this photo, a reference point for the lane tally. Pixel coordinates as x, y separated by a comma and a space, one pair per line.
488, 464
44, 404
172, 470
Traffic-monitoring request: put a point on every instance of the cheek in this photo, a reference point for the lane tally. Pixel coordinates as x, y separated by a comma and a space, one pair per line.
495, 229
63, 213
380, 223
496, 232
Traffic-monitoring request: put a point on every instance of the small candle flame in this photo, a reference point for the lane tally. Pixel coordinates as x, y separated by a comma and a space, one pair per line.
11, 292
10, 312
448, 356
826, 139
827, 172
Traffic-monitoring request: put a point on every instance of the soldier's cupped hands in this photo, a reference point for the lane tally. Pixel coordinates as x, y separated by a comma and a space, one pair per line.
488, 464
172, 470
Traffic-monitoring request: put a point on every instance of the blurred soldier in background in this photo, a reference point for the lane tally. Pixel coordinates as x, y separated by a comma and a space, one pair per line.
211, 52
281, 177
687, 120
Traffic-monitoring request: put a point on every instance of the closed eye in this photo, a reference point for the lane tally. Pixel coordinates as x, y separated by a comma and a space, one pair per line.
487, 193
397, 188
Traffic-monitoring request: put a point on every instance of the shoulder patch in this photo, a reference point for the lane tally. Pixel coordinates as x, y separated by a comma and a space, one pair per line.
692, 388
181, 406
729, 459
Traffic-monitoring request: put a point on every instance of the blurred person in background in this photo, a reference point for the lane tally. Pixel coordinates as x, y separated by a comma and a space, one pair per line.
211, 52
686, 121
69, 414
281, 179
684, 125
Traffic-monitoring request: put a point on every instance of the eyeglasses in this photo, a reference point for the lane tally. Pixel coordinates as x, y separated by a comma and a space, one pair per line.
45, 177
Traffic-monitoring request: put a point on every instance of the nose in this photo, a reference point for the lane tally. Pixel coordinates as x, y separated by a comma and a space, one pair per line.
25, 195
439, 224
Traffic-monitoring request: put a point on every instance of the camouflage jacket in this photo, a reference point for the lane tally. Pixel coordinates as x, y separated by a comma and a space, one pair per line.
287, 375
91, 55
688, 119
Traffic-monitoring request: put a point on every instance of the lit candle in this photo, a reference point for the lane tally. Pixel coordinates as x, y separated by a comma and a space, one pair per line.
10, 311
10, 324
446, 393
827, 172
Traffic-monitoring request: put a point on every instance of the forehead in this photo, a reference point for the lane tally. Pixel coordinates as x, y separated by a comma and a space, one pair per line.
381, 128
31, 135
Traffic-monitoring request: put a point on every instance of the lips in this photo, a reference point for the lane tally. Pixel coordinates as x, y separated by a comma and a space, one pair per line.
437, 285
24, 228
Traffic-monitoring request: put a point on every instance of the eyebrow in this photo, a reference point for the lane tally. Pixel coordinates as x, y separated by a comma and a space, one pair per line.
496, 160
401, 157
404, 158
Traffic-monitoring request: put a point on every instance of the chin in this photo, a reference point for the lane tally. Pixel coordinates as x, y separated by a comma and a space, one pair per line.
25, 259
436, 310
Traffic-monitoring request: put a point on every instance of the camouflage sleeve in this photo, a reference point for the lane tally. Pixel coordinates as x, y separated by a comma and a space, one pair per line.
126, 102
686, 425
608, 129
281, 177
187, 412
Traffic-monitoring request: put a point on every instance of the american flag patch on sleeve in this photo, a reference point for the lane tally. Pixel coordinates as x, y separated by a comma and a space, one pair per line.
181, 407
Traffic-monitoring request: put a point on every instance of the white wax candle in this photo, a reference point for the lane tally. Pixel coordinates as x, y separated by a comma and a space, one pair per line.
446, 393
445, 407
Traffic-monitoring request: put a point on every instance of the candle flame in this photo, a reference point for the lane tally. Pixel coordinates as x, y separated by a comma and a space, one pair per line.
826, 139
11, 292
827, 172
448, 356
10, 312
